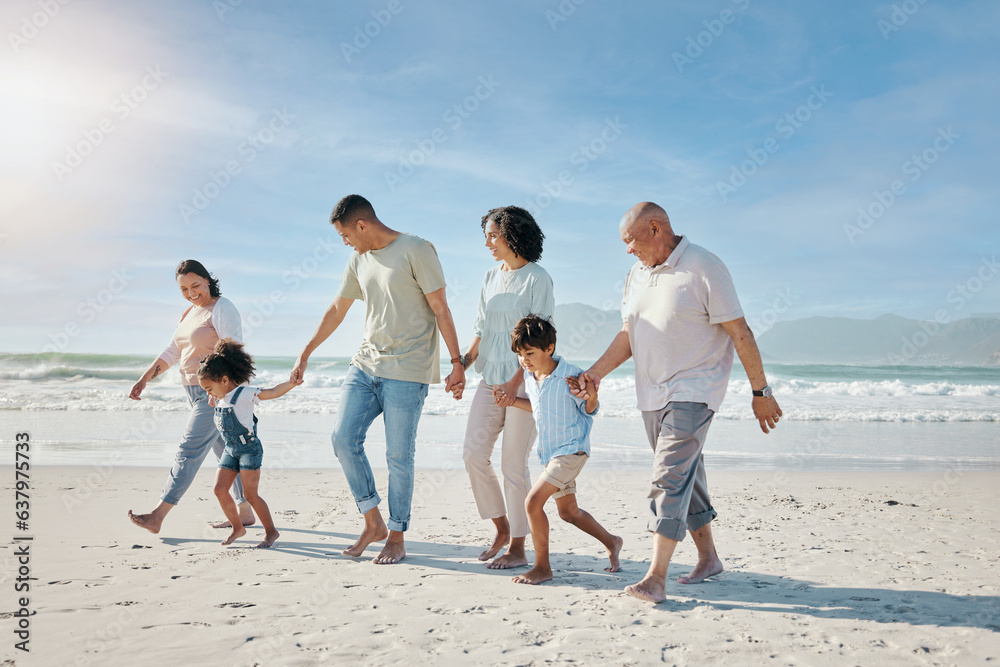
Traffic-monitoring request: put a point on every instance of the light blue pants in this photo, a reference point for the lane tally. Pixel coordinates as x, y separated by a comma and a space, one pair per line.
200, 435
364, 397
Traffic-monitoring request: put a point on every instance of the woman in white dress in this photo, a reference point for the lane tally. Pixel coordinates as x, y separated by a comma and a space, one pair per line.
515, 287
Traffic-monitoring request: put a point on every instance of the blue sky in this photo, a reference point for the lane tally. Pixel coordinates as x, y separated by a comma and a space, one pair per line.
137, 135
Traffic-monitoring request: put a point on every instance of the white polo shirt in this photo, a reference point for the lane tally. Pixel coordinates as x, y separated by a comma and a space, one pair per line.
674, 312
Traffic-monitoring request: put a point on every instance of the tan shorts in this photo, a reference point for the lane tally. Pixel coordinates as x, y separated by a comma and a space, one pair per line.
562, 471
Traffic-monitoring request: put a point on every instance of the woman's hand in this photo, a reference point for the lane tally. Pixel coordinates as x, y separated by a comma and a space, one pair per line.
504, 394
455, 382
137, 390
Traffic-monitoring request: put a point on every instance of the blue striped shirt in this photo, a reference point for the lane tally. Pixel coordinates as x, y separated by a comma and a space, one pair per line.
560, 417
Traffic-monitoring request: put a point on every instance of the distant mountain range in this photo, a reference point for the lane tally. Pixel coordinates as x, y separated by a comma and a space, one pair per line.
887, 339
585, 332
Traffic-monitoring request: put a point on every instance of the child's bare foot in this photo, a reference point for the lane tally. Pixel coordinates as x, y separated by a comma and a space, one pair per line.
237, 533
702, 571
499, 542
246, 518
509, 560
613, 555
269, 539
393, 552
375, 533
147, 521
535, 575
650, 589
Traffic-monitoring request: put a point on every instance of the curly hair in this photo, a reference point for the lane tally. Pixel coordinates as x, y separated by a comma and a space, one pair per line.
532, 331
197, 268
519, 230
228, 359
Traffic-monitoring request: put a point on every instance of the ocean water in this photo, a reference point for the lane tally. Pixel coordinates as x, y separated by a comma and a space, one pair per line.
836, 417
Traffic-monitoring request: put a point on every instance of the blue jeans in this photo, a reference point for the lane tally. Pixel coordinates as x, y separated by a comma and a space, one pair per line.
200, 436
363, 397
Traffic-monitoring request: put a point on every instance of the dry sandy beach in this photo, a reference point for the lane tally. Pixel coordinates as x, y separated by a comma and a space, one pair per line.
822, 569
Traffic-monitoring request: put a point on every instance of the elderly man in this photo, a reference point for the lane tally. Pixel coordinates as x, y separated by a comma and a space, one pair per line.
682, 320
400, 279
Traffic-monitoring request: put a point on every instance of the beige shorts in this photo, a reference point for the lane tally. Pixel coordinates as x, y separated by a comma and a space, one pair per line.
562, 471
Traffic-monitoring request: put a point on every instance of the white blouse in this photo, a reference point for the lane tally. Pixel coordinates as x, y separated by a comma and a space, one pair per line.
505, 298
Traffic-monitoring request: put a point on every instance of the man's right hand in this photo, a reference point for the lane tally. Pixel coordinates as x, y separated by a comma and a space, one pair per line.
578, 385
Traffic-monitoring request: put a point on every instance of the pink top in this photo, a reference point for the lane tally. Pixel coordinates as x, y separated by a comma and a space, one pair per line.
199, 330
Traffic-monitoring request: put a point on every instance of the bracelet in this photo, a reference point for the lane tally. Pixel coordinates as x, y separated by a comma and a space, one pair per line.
457, 360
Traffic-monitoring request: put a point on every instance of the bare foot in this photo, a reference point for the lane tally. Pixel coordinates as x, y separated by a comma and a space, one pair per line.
246, 518
509, 560
370, 534
269, 539
499, 542
613, 555
237, 533
147, 521
535, 575
391, 553
702, 571
649, 589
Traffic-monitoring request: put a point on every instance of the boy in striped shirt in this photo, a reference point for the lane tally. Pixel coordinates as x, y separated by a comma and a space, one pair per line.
563, 422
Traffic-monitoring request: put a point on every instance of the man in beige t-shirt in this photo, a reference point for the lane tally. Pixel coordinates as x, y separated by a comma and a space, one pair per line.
400, 279
682, 322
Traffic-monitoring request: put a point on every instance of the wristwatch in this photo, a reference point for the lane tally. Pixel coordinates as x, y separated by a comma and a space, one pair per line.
765, 392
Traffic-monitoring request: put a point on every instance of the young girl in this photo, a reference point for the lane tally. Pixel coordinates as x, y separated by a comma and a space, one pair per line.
224, 374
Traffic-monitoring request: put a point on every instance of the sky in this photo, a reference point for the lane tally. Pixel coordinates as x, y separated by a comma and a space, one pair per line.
839, 157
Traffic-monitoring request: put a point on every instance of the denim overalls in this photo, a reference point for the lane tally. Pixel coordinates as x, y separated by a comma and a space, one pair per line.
243, 449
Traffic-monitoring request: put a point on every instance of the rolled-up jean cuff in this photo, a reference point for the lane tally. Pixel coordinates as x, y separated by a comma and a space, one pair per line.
672, 529
696, 521
397, 526
368, 504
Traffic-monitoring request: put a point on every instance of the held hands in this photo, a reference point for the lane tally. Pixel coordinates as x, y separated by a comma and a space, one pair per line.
582, 386
767, 412
455, 382
504, 394
298, 374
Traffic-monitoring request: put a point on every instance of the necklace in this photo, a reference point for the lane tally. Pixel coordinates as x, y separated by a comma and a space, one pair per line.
506, 277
